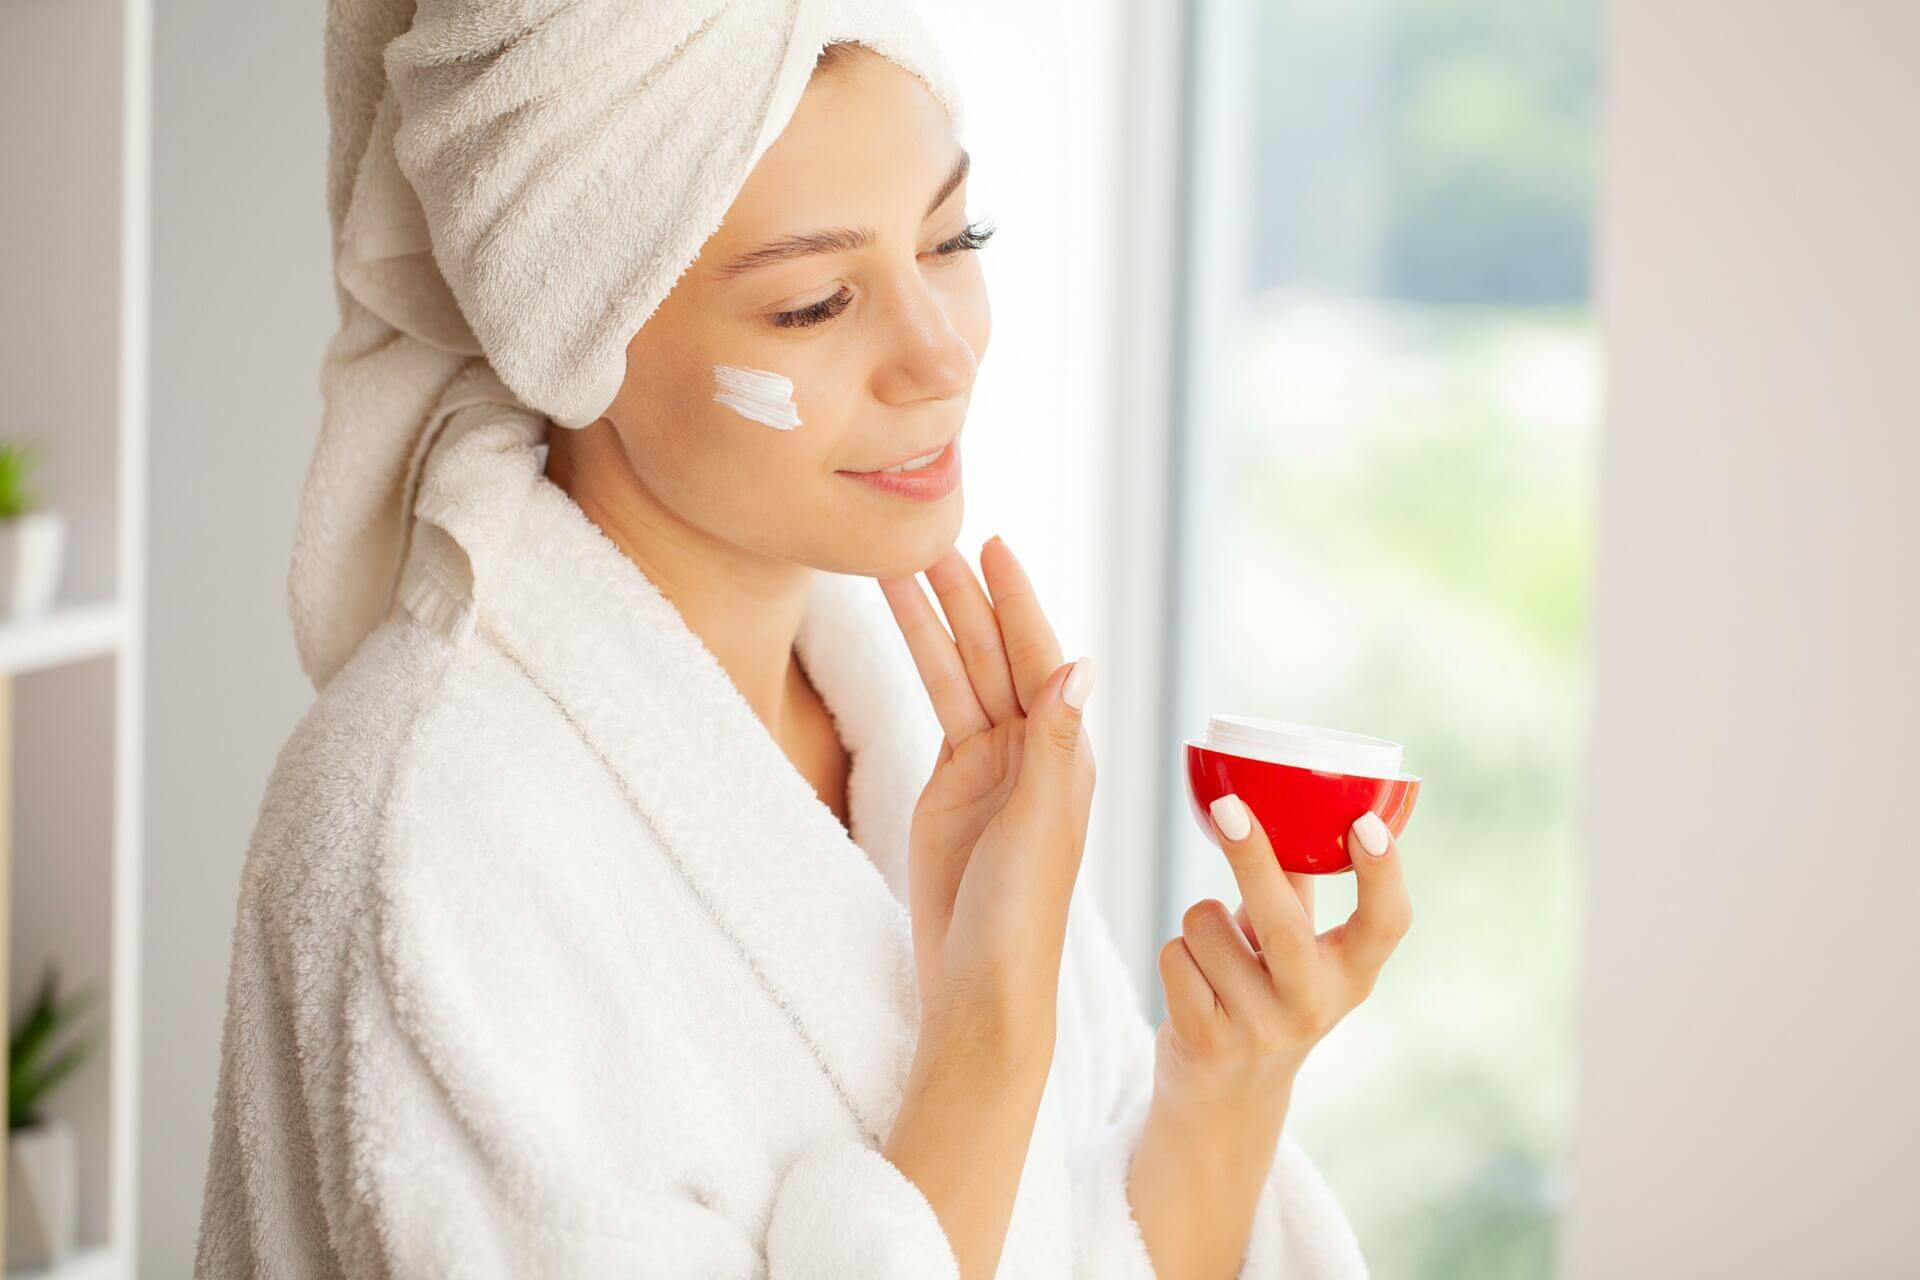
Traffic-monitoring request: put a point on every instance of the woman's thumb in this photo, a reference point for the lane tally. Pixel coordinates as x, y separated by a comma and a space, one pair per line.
1053, 730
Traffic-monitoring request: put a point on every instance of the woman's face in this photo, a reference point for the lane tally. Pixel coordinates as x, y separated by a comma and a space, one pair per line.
880, 339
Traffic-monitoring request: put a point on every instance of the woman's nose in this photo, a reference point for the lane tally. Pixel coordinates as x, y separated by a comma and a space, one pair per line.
927, 357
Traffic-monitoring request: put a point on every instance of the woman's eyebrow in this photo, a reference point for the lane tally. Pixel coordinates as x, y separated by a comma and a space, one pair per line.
839, 239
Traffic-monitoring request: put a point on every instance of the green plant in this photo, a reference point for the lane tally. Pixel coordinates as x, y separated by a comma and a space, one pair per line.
17, 462
30, 1071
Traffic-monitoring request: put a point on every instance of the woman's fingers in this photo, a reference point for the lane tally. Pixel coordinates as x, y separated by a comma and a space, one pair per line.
1033, 652
1239, 981
1280, 922
1191, 1005
936, 659
1241, 918
1384, 911
1275, 918
1303, 889
976, 632
1049, 767
1000, 651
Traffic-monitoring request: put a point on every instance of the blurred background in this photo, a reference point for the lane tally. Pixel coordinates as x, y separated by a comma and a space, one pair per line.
1526, 382
1393, 400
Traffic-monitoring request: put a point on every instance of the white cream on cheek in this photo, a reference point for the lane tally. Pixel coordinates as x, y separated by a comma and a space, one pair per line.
757, 394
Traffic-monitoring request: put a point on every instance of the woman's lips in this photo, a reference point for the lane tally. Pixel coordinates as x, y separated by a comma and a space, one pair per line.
935, 480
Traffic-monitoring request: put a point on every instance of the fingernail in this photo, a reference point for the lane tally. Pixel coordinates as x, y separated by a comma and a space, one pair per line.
1372, 833
1231, 816
1079, 684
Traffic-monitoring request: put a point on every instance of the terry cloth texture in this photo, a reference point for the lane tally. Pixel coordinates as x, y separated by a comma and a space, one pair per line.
517, 184
548, 962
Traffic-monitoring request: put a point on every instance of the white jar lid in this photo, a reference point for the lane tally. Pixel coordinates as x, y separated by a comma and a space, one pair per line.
1304, 746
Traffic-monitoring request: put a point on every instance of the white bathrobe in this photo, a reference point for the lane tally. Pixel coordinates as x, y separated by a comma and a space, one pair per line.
548, 962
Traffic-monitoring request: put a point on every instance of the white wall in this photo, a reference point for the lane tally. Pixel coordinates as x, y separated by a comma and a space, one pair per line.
242, 303
1747, 1102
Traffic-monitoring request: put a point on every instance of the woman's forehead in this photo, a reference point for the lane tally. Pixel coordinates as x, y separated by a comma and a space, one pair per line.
856, 129
838, 195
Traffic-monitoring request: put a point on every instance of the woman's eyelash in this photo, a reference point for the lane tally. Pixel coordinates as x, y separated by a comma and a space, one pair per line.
975, 235
825, 309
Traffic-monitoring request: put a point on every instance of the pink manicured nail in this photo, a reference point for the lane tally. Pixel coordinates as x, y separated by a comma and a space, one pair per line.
1231, 816
1078, 684
1372, 833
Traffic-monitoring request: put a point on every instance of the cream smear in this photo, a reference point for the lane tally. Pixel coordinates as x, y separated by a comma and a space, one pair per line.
757, 394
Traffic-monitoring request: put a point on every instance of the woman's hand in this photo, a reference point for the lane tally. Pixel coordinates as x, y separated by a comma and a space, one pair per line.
1248, 996
995, 846
998, 831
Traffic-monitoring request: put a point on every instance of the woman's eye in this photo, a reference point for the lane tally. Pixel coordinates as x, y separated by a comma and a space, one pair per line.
825, 309
973, 237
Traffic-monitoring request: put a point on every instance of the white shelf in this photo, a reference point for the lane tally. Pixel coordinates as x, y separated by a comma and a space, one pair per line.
69, 633
78, 207
88, 1264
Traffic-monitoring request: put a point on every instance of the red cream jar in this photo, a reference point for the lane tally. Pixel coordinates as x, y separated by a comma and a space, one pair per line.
1305, 785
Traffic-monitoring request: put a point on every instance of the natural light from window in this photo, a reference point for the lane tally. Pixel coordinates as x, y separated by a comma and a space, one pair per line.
1404, 400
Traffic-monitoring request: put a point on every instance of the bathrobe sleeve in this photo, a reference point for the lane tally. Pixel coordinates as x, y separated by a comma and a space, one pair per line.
1299, 1231
448, 1179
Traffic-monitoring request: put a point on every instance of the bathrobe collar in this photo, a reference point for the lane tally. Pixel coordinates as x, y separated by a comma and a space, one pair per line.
501, 555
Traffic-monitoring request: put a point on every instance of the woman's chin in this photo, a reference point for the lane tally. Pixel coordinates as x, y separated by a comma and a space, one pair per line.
903, 541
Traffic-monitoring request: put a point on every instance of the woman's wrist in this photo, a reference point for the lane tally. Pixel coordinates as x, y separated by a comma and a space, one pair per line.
1195, 1179
965, 1121
1001, 1033
995, 1082
1217, 1145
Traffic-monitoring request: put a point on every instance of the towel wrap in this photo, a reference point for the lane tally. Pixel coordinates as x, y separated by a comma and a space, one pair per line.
514, 187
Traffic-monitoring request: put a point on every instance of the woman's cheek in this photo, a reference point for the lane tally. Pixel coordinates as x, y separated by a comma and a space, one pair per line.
768, 443
762, 396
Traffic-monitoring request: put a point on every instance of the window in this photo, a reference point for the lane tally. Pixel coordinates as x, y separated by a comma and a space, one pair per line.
1388, 391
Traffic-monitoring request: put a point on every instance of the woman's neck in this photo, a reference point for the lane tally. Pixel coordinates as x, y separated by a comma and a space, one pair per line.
745, 608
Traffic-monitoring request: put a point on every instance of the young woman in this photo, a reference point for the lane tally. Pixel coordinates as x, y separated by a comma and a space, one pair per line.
651, 894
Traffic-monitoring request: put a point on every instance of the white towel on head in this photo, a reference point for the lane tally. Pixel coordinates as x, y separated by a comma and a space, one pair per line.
515, 186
